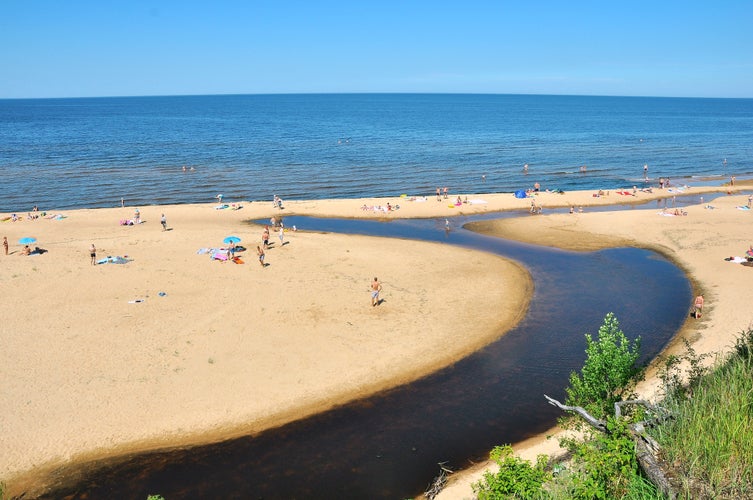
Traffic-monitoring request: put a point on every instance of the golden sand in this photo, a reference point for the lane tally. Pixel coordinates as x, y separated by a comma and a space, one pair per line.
174, 348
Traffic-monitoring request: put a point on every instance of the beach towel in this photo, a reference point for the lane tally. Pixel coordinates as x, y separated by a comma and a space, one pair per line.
221, 207
736, 260
743, 207
520, 193
131, 222
114, 260
477, 202
219, 256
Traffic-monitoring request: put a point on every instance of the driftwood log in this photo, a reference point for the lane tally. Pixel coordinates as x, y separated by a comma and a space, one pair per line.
646, 448
439, 482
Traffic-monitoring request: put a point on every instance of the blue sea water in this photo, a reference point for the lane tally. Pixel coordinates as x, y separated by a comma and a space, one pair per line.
91, 152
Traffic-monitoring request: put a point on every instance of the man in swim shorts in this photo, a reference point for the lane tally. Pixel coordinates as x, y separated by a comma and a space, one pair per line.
698, 307
376, 287
93, 254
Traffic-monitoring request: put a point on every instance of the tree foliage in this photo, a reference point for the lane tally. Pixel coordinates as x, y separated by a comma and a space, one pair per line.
609, 373
516, 478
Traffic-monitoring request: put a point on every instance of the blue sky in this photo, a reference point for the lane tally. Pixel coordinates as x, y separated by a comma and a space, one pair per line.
129, 47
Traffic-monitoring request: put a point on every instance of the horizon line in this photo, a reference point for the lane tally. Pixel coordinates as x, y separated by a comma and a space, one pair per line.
229, 94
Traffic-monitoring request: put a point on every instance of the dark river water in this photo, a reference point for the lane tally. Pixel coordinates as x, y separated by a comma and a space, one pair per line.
390, 444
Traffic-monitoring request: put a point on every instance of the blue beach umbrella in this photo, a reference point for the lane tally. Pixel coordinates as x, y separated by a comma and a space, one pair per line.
231, 240
27, 241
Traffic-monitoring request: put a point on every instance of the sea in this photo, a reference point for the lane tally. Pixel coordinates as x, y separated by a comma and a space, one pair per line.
68, 153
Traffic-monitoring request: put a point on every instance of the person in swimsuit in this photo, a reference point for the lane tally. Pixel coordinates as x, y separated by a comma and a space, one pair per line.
93, 254
5, 244
698, 307
260, 251
265, 237
376, 287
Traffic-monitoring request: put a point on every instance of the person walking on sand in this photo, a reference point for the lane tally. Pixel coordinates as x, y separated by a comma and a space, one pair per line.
265, 237
93, 254
439, 197
163, 221
281, 235
376, 287
698, 306
5, 244
260, 251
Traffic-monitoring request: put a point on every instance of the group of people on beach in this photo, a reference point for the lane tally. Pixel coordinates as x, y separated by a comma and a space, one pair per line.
279, 226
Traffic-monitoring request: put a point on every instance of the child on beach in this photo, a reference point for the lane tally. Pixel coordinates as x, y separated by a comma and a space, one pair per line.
260, 251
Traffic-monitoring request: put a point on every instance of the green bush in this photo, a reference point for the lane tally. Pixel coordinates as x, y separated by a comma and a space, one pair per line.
607, 463
609, 373
516, 477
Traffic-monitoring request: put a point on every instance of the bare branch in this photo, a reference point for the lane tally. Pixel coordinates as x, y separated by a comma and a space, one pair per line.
592, 421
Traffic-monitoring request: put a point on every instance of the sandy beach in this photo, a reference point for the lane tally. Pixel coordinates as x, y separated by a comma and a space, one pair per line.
699, 242
173, 347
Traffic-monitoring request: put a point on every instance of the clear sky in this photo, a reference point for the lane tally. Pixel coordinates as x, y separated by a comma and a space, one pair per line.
59, 48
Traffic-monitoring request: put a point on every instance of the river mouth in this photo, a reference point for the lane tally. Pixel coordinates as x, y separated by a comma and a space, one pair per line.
389, 445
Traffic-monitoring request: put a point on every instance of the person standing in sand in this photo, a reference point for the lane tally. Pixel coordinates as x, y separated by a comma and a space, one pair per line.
698, 306
376, 287
265, 237
281, 235
5, 244
260, 251
163, 221
93, 254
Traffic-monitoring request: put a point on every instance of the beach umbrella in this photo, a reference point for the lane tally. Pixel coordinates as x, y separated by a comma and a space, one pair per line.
27, 241
231, 240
